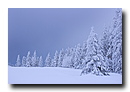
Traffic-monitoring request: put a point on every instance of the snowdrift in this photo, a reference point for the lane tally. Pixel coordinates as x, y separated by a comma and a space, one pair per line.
57, 75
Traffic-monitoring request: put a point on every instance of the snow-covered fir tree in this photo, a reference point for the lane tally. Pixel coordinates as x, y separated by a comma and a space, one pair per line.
48, 61
34, 60
40, 64
51, 64
93, 63
73, 54
115, 51
117, 42
18, 64
67, 60
61, 56
84, 49
104, 42
24, 61
28, 60
56, 58
78, 64
105, 45
38, 60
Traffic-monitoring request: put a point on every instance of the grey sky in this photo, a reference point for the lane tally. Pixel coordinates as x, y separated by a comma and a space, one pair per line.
50, 29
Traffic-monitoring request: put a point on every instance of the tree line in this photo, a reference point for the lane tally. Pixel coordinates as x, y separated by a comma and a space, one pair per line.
97, 56
29, 61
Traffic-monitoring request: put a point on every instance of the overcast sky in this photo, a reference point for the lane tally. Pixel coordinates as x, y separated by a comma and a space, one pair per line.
49, 29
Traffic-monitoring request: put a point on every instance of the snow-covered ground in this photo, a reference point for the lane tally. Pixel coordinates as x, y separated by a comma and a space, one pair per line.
56, 75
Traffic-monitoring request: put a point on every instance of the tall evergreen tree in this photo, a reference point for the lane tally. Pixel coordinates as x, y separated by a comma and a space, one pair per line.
93, 62
61, 56
18, 64
84, 49
24, 61
40, 64
104, 42
105, 45
28, 59
72, 55
38, 59
48, 61
52, 62
79, 57
56, 58
34, 60
115, 51
67, 60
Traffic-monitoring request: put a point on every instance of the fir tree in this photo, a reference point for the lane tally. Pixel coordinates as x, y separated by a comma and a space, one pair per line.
114, 55
40, 64
48, 61
84, 49
67, 63
18, 64
34, 60
61, 56
28, 60
93, 62
24, 61
104, 46
72, 55
56, 58
38, 59
78, 57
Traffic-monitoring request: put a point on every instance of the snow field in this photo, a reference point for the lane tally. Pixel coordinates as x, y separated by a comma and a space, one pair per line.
57, 75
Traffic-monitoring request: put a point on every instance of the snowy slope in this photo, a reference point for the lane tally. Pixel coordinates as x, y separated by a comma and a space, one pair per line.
56, 75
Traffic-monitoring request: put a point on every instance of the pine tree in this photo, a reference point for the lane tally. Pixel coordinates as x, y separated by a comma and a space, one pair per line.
114, 54
18, 64
78, 57
117, 42
105, 42
34, 60
93, 62
48, 61
40, 64
61, 56
38, 59
67, 62
72, 55
24, 61
52, 62
105, 45
84, 49
56, 58
28, 60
